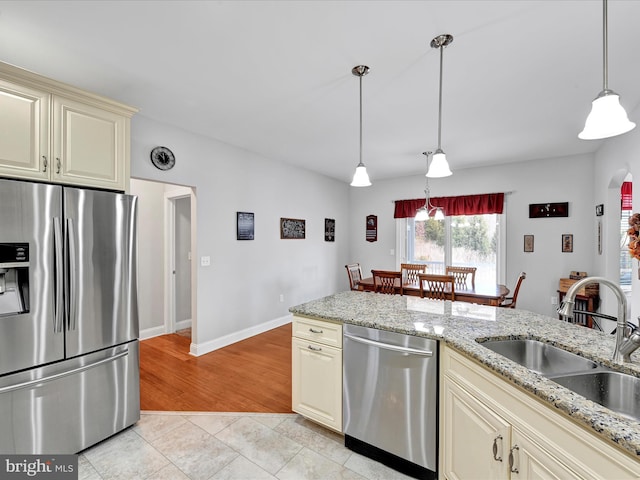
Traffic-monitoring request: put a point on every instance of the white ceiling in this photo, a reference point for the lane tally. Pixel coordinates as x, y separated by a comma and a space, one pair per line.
274, 77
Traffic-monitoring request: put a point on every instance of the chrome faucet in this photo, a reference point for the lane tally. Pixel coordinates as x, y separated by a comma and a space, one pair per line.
627, 340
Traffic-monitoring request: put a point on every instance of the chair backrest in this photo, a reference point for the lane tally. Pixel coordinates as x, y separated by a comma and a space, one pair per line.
514, 297
461, 275
439, 287
355, 275
387, 281
410, 271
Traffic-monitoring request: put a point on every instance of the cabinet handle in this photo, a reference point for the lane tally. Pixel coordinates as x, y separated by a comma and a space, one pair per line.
44, 163
315, 331
315, 349
495, 448
57, 165
511, 467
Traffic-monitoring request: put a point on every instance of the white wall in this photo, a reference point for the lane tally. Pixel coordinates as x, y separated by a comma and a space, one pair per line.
150, 254
617, 157
239, 293
182, 261
566, 179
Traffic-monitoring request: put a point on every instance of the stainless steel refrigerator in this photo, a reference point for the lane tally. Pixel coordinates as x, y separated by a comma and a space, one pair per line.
69, 364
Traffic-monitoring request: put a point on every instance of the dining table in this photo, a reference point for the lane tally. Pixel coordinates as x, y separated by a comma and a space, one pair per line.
482, 294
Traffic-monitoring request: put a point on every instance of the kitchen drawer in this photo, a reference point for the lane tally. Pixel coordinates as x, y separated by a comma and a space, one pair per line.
327, 333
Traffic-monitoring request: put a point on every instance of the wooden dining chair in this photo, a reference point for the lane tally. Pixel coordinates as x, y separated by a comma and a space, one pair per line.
355, 275
461, 275
410, 272
438, 287
387, 281
510, 302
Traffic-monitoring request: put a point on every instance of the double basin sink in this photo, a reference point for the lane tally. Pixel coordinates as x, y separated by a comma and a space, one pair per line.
614, 390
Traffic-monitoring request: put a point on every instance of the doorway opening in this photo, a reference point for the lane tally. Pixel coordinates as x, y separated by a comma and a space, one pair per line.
166, 274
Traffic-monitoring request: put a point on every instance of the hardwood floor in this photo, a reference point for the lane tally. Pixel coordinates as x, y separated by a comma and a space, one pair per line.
253, 375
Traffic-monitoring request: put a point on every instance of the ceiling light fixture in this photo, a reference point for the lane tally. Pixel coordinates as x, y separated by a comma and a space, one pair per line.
360, 178
439, 165
424, 213
607, 118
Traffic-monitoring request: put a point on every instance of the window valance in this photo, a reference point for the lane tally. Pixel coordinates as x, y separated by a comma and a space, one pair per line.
626, 197
461, 205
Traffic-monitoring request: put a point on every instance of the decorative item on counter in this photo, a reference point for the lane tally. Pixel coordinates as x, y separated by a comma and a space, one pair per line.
634, 240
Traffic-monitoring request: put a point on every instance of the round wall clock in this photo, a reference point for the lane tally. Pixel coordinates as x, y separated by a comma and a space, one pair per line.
163, 158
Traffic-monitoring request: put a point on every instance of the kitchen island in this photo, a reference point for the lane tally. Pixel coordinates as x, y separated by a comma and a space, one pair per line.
461, 327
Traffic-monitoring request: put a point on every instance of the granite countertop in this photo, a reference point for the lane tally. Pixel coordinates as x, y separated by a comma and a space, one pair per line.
462, 325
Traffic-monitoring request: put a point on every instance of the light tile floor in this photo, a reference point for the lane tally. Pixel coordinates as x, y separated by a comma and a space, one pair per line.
203, 446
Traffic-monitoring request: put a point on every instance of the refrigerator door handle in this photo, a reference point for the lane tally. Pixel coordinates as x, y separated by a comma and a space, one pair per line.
58, 318
73, 271
18, 386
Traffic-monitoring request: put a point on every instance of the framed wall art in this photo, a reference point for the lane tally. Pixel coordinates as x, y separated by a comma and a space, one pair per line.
292, 228
567, 242
329, 230
528, 243
548, 210
600, 210
371, 234
244, 226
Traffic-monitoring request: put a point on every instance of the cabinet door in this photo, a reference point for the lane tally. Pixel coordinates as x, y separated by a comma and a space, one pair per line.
317, 382
89, 145
24, 132
528, 460
476, 443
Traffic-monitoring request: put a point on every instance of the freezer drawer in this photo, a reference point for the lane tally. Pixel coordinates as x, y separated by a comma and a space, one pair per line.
71, 405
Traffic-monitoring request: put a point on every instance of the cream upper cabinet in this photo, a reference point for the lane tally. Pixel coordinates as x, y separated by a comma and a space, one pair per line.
492, 429
24, 131
58, 133
316, 377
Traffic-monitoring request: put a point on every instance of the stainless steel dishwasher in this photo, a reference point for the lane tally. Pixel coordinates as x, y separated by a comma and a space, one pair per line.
391, 399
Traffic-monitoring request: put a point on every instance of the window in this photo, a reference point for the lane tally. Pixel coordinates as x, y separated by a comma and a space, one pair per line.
461, 240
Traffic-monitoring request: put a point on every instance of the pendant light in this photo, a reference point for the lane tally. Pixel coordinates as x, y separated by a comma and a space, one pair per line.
607, 118
439, 165
424, 213
360, 178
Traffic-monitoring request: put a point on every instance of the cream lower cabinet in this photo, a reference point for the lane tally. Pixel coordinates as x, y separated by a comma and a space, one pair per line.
492, 429
317, 371
57, 133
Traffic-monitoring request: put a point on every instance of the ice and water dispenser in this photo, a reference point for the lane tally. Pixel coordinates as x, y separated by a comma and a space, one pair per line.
14, 278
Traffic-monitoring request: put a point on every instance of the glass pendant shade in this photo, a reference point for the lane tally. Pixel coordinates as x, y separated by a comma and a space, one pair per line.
439, 214
422, 214
439, 166
607, 118
361, 178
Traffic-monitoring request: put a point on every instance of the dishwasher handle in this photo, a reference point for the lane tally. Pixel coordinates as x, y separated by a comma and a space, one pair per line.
387, 346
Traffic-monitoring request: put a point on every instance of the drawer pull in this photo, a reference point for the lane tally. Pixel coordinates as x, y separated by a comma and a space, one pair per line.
495, 448
314, 349
44, 163
57, 165
511, 467
315, 331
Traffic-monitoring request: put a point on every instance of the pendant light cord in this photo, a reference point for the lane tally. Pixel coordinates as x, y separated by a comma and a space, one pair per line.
440, 105
605, 59
360, 121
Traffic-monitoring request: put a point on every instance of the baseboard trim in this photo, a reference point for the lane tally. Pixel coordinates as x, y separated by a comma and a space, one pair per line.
152, 332
198, 349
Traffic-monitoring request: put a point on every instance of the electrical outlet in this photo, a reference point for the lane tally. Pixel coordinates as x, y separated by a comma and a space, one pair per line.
205, 261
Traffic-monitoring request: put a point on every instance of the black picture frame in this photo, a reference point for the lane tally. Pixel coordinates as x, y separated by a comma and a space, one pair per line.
548, 210
329, 230
600, 210
292, 228
245, 226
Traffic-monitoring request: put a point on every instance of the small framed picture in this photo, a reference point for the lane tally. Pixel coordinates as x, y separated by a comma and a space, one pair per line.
292, 228
329, 230
567, 242
244, 226
528, 243
600, 210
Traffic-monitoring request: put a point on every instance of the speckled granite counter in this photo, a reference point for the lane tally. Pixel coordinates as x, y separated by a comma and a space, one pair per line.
462, 325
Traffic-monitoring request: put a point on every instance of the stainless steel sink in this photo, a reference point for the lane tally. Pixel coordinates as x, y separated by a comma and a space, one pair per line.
540, 357
614, 390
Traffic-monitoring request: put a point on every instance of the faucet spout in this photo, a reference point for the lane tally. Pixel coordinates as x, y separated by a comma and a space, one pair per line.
624, 344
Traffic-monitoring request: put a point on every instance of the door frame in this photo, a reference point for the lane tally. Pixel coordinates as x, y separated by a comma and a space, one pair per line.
170, 197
